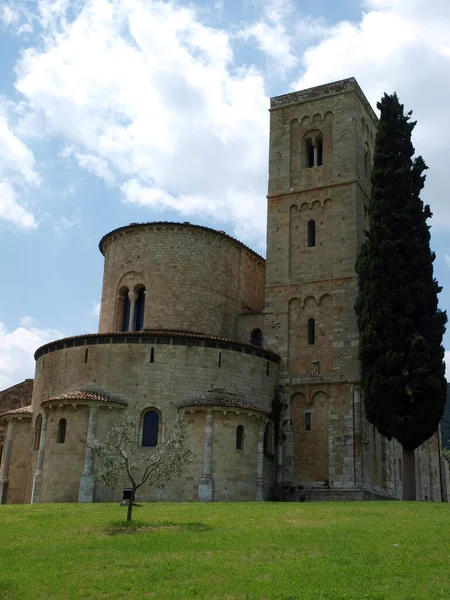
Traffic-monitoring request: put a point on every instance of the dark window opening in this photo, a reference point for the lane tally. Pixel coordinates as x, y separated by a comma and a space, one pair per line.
152, 355
307, 421
125, 311
311, 331
139, 306
220, 359
309, 153
86, 354
256, 337
311, 233
62, 426
150, 429
319, 147
267, 368
239, 437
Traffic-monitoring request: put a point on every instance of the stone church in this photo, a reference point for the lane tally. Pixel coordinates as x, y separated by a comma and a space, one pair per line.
260, 355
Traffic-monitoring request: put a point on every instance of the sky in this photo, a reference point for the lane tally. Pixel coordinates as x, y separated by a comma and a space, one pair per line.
120, 111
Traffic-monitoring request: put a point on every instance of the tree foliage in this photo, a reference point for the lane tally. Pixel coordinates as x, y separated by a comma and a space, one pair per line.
125, 463
401, 327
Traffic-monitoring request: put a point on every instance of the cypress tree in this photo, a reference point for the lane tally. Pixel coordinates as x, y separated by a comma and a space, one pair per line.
400, 324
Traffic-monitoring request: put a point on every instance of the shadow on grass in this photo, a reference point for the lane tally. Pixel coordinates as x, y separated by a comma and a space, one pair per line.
137, 526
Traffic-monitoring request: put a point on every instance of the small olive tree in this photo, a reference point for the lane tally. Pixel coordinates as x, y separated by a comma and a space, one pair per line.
124, 462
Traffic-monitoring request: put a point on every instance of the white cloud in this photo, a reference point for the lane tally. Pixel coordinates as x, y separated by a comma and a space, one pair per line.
447, 364
400, 46
11, 210
17, 172
160, 107
17, 350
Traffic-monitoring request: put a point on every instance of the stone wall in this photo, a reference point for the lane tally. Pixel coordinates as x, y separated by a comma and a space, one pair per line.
196, 279
184, 369
14, 397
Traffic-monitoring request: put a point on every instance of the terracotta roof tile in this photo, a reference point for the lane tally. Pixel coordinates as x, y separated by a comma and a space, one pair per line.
85, 396
23, 410
224, 399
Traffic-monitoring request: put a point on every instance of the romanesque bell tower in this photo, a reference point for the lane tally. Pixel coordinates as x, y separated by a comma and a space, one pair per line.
321, 144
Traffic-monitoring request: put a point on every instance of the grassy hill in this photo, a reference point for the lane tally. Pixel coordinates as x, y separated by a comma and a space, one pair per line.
345, 551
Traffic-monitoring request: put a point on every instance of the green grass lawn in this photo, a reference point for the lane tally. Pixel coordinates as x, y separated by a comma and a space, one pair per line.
372, 550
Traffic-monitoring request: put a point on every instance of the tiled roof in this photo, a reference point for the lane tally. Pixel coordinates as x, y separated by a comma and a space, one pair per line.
85, 396
156, 333
175, 224
223, 399
23, 410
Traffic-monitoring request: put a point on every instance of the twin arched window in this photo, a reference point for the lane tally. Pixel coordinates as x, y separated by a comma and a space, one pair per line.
150, 428
132, 315
313, 151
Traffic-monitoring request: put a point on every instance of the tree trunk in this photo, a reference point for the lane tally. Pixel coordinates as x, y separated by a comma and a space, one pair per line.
409, 475
130, 505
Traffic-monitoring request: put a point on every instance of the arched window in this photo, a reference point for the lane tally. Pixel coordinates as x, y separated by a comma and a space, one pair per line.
139, 307
313, 150
124, 309
37, 432
150, 429
311, 331
239, 437
311, 233
256, 337
62, 426
268, 439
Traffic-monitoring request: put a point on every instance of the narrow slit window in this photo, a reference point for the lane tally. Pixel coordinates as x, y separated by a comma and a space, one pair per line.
220, 359
62, 427
152, 355
150, 428
239, 437
311, 331
307, 421
311, 233
267, 368
86, 355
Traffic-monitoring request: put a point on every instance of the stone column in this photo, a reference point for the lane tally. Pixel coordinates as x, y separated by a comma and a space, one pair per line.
206, 485
5, 462
132, 298
260, 465
86, 489
37, 481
